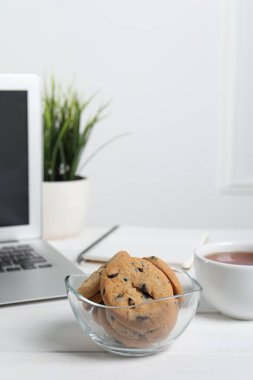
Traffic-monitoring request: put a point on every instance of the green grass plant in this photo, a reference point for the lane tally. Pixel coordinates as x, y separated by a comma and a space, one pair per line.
65, 138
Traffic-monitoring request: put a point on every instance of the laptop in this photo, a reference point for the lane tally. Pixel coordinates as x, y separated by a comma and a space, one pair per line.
30, 269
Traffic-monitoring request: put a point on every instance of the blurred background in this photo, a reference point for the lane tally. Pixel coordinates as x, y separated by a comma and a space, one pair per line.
172, 70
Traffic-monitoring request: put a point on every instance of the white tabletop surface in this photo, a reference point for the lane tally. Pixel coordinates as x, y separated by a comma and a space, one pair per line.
43, 341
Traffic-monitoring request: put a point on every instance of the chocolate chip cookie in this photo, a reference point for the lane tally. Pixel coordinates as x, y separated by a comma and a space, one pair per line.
91, 286
151, 336
127, 342
160, 264
132, 289
135, 282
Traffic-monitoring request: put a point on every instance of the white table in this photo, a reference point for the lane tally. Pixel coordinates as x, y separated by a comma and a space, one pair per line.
43, 341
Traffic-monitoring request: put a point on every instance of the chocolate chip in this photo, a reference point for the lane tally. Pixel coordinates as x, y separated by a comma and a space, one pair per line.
113, 275
153, 258
142, 318
120, 295
143, 289
130, 302
140, 269
125, 279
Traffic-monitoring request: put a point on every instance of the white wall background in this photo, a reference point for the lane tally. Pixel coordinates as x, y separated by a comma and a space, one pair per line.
240, 86
159, 61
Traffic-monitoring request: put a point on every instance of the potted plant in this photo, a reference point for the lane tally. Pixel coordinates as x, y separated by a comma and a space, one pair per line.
65, 193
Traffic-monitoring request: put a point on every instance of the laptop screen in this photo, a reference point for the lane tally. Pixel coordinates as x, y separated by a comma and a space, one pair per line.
14, 204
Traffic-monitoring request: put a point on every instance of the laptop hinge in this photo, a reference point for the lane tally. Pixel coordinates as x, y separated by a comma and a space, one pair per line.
8, 241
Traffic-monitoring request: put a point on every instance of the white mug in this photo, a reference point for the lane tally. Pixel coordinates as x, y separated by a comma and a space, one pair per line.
228, 287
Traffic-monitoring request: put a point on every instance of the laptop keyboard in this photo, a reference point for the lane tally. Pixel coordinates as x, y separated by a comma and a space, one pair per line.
21, 257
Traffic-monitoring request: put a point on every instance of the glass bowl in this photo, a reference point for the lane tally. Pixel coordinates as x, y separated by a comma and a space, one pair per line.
137, 330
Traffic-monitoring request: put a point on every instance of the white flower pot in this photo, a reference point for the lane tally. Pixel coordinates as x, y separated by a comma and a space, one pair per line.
64, 208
